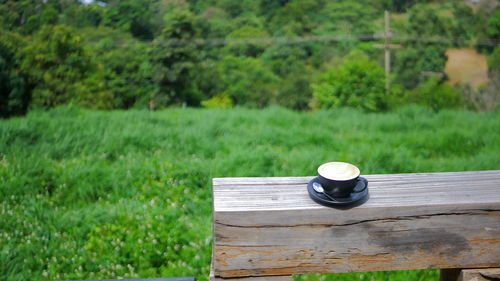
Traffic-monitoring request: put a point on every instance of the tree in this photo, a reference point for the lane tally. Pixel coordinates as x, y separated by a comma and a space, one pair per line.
420, 55
61, 70
289, 63
436, 95
131, 16
467, 23
14, 93
244, 48
79, 15
175, 60
8, 15
395, 5
488, 30
494, 26
45, 15
237, 8
411, 62
247, 81
296, 18
214, 23
356, 82
347, 17
128, 67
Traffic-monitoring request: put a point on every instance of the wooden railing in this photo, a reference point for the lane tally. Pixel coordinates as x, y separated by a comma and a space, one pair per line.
269, 228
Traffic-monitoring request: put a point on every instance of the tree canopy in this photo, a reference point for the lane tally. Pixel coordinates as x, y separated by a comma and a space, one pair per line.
124, 54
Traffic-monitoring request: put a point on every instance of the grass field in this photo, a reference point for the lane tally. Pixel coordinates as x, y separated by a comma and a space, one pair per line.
91, 195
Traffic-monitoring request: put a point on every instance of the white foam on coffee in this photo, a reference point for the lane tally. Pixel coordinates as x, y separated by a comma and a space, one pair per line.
338, 171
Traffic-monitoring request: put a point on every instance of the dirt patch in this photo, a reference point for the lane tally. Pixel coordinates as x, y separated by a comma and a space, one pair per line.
466, 66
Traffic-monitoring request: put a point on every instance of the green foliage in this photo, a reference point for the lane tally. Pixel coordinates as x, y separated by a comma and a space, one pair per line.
424, 22
176, 63
412, 62
134, 51
237, 8
357, 82
14, 92
128, 67
48, 16
287, 61
494, 60
347, 17
295, 91
437, 95
295, 18
8, 16
247, 49
395, 5
62, 70
467, 23
483, 98
214, 23
127, 193
131, 16
83, 15
247, 81
494, 25
418, 57
219, 101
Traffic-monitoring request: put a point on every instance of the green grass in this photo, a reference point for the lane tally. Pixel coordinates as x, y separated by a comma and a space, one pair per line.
91, 195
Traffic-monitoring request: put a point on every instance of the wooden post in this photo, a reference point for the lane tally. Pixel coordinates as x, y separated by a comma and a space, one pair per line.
270, 227
387, 46
387, 52
485, 274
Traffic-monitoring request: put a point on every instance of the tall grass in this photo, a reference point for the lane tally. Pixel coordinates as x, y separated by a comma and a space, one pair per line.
91, 195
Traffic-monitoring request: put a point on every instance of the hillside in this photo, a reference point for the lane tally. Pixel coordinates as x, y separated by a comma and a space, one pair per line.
91, 195
299, 54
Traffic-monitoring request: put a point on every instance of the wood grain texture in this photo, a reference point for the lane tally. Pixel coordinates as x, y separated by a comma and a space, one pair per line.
263, 278
485, 274
270, 226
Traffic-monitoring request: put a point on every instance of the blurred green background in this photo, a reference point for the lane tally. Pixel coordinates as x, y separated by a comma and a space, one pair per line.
300, 54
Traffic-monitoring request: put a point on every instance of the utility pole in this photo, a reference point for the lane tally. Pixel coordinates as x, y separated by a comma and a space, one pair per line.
387, 51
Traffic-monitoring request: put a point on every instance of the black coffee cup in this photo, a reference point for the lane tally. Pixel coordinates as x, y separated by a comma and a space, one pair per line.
338, 179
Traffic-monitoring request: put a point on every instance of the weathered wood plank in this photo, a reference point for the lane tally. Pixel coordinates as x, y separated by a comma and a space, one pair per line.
270, 226
485, 274
263, 278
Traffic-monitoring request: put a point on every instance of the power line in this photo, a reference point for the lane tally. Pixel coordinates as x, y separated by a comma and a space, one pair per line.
214, 42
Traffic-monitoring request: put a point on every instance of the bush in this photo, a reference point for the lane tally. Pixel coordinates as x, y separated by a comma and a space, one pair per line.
484, 98
494, 60
219, 101
358, 82
437, 95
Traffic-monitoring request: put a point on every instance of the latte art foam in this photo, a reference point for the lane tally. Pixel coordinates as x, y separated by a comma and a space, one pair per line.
338, 171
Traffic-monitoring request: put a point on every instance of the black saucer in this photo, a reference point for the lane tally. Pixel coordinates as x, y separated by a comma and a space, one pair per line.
357, 197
